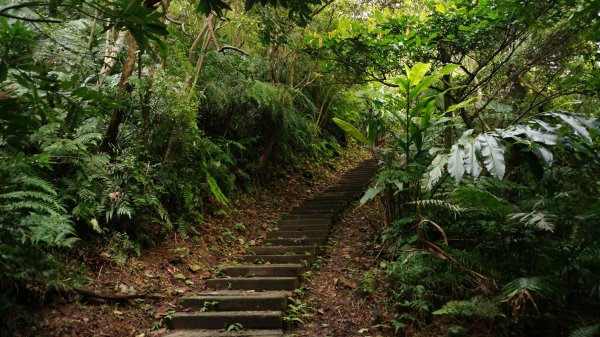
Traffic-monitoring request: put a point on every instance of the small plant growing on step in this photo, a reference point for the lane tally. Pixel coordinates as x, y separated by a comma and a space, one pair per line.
299, 241
209, 306
235, 327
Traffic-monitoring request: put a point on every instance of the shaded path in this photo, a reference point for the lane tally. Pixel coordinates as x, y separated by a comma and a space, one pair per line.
251, 297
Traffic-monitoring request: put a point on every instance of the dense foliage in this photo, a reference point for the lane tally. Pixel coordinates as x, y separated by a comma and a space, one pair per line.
489, 154
123, 122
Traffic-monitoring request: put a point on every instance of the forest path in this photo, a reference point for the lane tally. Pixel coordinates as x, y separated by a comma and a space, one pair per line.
249, 298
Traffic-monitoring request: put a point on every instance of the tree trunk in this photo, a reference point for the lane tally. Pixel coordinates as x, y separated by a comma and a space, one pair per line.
110, 138
264, 157
112, 50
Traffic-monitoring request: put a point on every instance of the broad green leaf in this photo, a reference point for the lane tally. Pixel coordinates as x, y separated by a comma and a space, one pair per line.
370, 194
372, 130
456, 169
492, 152
440, 8
425, 104
471, 162
417, 73
447, 69
543, 154
352, 131
422, 86
459, 105
576, 125
434, 171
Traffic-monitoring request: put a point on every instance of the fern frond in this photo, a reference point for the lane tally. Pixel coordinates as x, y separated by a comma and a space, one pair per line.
481, 201
88, 139
537, 219
43, 185
216, 190
522, 289
54, 230
475, 307
586, 331
124, 209
29, 205
437, 203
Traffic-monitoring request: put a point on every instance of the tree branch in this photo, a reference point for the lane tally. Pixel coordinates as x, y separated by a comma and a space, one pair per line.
222, 49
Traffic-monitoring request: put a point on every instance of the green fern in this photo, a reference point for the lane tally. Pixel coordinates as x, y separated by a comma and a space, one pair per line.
537, 219
41, 214
216, 190
524, 289
481, 201
586, 331
474, 307
424, 203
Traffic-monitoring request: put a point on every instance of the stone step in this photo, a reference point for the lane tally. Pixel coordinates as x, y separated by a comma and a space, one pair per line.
346, 187
283, 250
326, 202
237, 301
224, 319
254, 283
217, 333
264, 270
279, 258
317, 208
291, 216
305, 221
326, 212
295, 242
285, 234
301, 227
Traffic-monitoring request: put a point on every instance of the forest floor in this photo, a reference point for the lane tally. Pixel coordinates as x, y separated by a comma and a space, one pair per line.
179, 266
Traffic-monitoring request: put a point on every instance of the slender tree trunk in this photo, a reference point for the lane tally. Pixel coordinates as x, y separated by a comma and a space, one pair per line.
448, 100
112, 50
145, 101
266, 154
110, 138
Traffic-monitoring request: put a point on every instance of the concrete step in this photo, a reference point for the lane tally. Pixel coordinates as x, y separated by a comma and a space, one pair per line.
295, 242
224, 319
279, 258
283, 250
237, 301
285, 234
325, 202
326, 212
300, 227
254, 283
305, 221
217, 333
324, 217
264, 270
317, 209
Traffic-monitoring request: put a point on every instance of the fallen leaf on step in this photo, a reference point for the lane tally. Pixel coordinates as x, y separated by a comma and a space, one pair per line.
194, 267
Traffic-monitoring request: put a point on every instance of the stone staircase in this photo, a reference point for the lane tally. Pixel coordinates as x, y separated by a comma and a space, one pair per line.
251, 297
